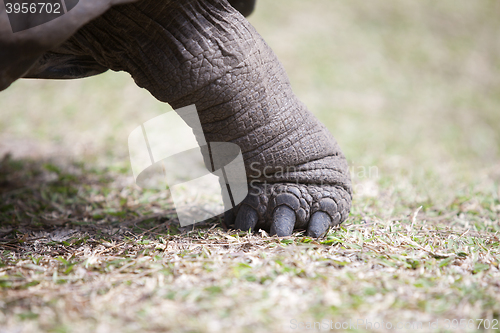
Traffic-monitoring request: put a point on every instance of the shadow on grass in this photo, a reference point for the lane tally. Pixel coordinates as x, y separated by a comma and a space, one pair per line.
61, 205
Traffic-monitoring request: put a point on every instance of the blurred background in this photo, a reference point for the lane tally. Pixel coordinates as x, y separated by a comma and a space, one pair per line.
410, 89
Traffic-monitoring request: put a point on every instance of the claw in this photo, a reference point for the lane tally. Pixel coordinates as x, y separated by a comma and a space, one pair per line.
319, 224
247, 218
229, 218
283, 221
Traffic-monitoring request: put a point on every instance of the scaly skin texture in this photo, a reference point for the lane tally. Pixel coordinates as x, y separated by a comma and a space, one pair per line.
204, 52
20, 51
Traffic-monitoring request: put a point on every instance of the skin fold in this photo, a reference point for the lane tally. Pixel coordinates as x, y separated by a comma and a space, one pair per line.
205, 52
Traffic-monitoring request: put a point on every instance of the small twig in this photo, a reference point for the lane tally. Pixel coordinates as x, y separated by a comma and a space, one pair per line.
10, 246
466, 231
433, 254
414, 218
110, 248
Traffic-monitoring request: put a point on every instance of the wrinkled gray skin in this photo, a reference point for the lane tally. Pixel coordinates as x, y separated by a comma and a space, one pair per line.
204, 52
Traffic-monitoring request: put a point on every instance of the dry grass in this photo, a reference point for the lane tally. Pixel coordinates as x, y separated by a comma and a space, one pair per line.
410, 89
101, 256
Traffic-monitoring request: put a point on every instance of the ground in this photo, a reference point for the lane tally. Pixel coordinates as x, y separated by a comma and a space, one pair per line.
410, 90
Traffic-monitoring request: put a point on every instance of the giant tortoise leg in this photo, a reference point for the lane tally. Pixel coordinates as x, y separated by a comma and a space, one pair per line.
204, 52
